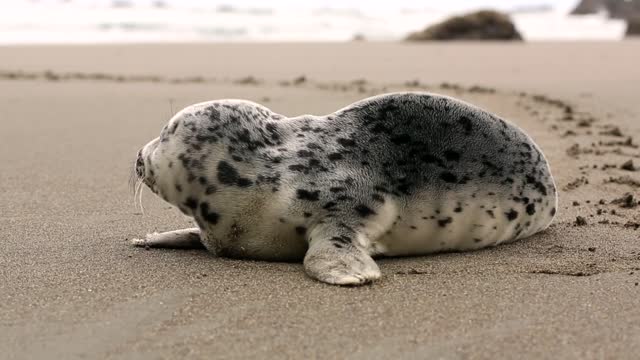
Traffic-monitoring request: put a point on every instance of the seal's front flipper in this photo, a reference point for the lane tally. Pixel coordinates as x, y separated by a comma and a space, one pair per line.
336, 258
178, 239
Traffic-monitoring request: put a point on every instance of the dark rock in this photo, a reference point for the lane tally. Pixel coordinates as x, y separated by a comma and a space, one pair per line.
479, 25
617, 9
626, 201
633, 25
358, 37
628, 165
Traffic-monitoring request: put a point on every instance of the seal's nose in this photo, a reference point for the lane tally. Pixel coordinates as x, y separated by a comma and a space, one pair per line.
140, 165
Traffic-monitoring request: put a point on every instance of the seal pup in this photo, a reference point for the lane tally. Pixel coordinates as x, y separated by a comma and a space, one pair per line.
392, 175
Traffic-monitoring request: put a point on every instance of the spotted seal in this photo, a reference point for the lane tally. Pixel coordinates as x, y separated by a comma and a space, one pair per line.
392, 175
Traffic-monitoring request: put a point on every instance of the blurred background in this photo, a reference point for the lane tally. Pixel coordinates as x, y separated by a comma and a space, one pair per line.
154, 21
74, 117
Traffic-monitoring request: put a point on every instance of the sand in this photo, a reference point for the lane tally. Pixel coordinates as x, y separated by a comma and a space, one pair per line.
72, 287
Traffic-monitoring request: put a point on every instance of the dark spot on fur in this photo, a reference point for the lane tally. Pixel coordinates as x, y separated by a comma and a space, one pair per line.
191, 203
531, 209
308, 195
451, 155
330, 205
448, 177
346, 142
305, 153
364, 210
401, 139
336, 189
244, 182
511, 215
335, 156
297, 167
444, 222
227, 174
466, 124
301, 230
209, 216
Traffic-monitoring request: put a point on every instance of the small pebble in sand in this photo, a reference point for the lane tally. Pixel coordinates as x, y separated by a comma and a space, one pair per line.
580, 221
584, 123
592, 249
624, 180
247, 80
575, 203
628, 165
300, 80
613, 131
626, 201
412, 83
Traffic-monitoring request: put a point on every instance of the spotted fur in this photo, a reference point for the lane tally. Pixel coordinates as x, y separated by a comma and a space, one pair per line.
396, 174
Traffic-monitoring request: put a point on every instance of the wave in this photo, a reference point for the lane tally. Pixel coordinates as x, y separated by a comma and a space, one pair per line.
123, 21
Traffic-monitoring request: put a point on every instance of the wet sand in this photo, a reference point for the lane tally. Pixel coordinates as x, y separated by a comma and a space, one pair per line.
72, 286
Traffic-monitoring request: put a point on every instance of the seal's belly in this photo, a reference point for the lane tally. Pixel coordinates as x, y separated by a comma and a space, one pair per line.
462, 222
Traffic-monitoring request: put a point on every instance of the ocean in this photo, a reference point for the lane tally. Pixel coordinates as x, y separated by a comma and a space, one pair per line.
123, 21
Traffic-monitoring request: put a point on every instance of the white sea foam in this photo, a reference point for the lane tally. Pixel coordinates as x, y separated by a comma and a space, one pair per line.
122, 21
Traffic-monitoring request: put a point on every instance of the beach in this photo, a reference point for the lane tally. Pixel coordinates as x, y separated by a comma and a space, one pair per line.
72, 286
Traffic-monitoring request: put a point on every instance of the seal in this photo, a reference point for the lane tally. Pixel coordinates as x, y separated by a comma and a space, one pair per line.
392, 175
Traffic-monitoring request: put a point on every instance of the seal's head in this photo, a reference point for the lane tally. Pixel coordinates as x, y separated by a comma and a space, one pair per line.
194, 153
163, 165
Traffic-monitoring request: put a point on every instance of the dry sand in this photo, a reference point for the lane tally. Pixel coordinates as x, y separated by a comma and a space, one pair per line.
72, 287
